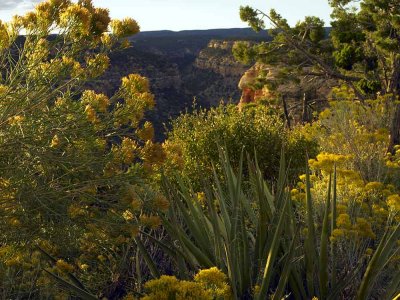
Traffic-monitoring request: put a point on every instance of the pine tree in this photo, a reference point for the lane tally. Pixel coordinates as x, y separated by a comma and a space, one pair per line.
362, 48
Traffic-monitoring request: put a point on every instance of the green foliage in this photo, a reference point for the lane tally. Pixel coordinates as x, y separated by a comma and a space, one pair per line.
235, 238
362, 49
312, 28
311, 31
248, 14
255, 128
243, 52
347, 56
259, 238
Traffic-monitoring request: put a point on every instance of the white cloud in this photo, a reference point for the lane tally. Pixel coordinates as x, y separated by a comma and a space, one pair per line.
13, 4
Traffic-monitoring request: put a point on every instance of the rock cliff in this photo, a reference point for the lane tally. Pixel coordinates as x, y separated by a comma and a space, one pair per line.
180, 67
185, 65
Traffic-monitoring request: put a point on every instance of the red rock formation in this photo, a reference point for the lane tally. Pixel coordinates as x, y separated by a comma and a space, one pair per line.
247, 82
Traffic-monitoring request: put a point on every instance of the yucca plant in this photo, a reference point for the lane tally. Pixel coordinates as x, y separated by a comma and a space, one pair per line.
254, 236
257, 238
251, 236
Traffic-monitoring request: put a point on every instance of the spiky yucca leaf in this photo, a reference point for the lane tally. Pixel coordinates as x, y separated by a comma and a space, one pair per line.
379, 260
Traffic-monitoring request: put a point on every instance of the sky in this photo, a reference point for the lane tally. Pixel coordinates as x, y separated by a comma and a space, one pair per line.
188, 14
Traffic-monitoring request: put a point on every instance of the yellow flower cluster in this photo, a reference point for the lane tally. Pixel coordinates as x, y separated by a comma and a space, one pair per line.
77, 211
3, 90
152, 155
326, 161
135, 91
215, 281
160, 202
174, 156
39, 52
29, 21
72, 66
97, 65
55, 69
342, 93
100, 20
16, 120
374, 186
135, 84
136, 205
125, 27
99, 102
363, 208
128, 215
14, 222
201, 198
146, 133
14, 28
44, 15
4, 37
63, 266
106, 40
393, 201
393, 160
130, 197
55, 141
349, 182
91, 114
129, 150
345, 229
343, 221
208, 284
77, 20
325, 114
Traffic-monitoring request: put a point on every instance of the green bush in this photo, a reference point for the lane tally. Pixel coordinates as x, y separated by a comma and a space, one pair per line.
256, 128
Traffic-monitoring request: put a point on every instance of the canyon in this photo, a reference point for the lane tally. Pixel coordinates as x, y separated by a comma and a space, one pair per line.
195, 69
184, 68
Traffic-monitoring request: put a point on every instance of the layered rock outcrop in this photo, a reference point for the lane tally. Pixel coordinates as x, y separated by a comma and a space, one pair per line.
248, 84
217, 57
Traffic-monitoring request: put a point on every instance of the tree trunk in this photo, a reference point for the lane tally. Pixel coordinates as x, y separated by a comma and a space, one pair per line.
394, 89
304, 114
395, 130
286, 112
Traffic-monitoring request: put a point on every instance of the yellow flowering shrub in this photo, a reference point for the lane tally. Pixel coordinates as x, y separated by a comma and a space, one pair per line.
393, 202
73, 161
393, 159
125, 27
208, 284
353, 139
215, 281
146, 133
359, 131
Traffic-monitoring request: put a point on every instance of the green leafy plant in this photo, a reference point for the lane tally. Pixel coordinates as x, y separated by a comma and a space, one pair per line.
197, 137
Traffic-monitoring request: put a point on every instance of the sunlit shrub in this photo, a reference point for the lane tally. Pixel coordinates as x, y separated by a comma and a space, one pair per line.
361, 130
258, 129
71, 160
364, 210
